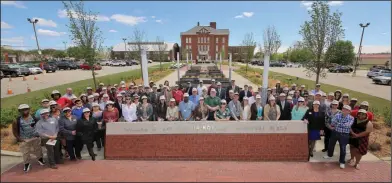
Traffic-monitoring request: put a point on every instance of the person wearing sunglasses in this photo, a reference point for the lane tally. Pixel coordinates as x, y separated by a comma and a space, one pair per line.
129, 110
67, 125
44, 105
86, 128
223, 113
110, 114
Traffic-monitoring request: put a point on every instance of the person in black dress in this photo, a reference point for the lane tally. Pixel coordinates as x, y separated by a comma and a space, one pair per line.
359, 137
316, 122
86, 127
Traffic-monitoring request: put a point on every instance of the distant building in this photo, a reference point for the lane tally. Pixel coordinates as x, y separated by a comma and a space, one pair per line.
152, 48
239, 53
205, 42
374, 59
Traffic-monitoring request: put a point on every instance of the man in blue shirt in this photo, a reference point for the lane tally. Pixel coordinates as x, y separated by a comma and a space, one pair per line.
194, 98
340, 126
77, 111
185, 108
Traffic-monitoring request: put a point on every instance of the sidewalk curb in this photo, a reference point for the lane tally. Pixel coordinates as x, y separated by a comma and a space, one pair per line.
11, 153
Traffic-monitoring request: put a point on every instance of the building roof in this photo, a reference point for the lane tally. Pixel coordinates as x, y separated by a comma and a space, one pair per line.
376, 56
213, 31
149, 46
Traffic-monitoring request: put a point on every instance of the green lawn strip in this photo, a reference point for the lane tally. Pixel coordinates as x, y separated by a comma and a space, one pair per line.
379, 106
9, 105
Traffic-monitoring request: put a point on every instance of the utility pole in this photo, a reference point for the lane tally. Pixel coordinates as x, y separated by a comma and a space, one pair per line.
65, 45
125, 46
360, 48
36, 38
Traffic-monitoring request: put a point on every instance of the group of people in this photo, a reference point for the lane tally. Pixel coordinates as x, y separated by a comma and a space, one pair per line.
69, 122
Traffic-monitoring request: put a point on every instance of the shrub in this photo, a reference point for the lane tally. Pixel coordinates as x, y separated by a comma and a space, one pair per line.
388, 141
375, 147
8, 115
388, 134
387, 117
376, 126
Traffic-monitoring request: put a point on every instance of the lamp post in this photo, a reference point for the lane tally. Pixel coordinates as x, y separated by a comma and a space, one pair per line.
65, 45
35, 32
125, 46
360, 48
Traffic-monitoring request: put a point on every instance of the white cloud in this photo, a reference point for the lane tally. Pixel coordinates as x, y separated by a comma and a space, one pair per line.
128, 20
12, 40
152, 17
384, 33
4, 25
373, 49
245, 14
158, 21
283, 48
50, 33
17, 4
45, 23
112, 30
335, 3
63, 14
308, 4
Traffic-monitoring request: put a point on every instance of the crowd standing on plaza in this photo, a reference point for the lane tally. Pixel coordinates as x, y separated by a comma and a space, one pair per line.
67, 122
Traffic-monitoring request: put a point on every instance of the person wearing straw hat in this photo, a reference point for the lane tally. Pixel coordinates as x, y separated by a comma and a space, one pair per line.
315, 120
271, 110
44, 105
256, 109
341, 127
48, 129
24, 130
89, 91
61, 101
144, 110
329, 115
160, 109
364, 105
172, 111
86, 127
359, 137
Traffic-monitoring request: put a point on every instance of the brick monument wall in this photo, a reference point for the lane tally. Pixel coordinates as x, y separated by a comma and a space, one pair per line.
142, 141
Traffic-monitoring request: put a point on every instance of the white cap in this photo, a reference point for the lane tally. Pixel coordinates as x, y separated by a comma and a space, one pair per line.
52, 102
162, 97
318, 84
105, 95
213, 80
110, 102
274, 88
122, 82
104, 88
339, 91
335, 102
354, 99
271, 98
289, 98
302, 86
323, 94
331, 94
219, 83
23, 106
90, 96
223, 101
73, 97
213, 90
245, 98
66, 108
301, 99
101, 84
43, 111
96, 94
122, 86
86, 110
285, 88
362, 111
236, 93
55, 92
95, 104
278, 82
201, 98
119, 95
144, 97
135, 95
89, 88
231, 91
258, 96
291, 92
194, 89
365, 103
44, 100
82, 95
294, 84
319, 93
176, 85
172, 100
186, 95
316, 102
115, 85
123, 92
347, 107
131, 84
346, 95
282, 95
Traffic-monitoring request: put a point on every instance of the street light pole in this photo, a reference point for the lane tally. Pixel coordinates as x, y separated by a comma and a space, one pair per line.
360, 48
35, 32
125, 46
65, 45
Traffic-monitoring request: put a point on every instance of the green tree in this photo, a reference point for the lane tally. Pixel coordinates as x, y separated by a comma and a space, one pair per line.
342, 52
84, 32
249, 44
318, 34
59, 54
75, 52
300, 55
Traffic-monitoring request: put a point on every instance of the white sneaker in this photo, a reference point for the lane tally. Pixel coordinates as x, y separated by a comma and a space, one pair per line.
342, 165
327, 157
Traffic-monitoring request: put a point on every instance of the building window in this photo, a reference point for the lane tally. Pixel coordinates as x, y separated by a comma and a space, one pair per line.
205, 40
198, 40
208, 39
190, 47
208, 47
223, 40
223, 48
216, 40
190, 40
216, 48
186, 40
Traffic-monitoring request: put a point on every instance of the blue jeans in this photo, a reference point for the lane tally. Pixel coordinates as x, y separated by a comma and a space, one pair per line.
343, 141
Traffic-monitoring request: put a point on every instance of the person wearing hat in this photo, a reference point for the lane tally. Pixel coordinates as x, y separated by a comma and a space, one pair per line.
213, 85
188, 88
212, 103
172, 111
194, 98
86, 128
68, 93
53, 107
244, 93
154, 96
204, 92
318, 97
353, 103
105, 99
103, 92
256, 109
341, 127
223, 112
200, 113
246, 113
231, 96
359, 137
329, 99
278, 87
84, 99
185, 109
99, 89
235, 108
299, 110
233, 87
200, 88
285, 91
110, 113
273, 92
364, 105
67, 127
317, 89
48, 129
96, 98
100, 133
160, 109
113, 93
285, 107
89, 91
90, 101
129, 110
271, 110
315, 119
44, 105
77, 110
220, 92
302, 91
293, 87
338, 95
329, 115
167, 94
24, 130
145, 110
61, 101
159, 90
136, 99
344, 101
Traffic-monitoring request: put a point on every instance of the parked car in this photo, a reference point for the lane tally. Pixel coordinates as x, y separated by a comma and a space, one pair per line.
54, 64
49, 68
33, 69
175, 66
384, 79
377, 72
85, 66
340, 69
67, 65
118, 63
149, 61
14, 70
254, 62
135, 62
377, 67
106, 62
276, 64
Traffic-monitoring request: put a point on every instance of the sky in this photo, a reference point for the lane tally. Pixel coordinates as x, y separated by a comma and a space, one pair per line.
118, 19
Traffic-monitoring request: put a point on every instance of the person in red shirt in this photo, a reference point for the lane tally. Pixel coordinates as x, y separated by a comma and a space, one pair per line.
364, 105
177, 94
110, 114
62, 102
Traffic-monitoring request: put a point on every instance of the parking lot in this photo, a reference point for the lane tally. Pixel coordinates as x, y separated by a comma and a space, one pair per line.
18, 86
359, 83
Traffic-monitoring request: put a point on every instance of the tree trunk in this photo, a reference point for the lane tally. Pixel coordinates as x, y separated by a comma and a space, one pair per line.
318, 70
93, 73
160, 62
246, 69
